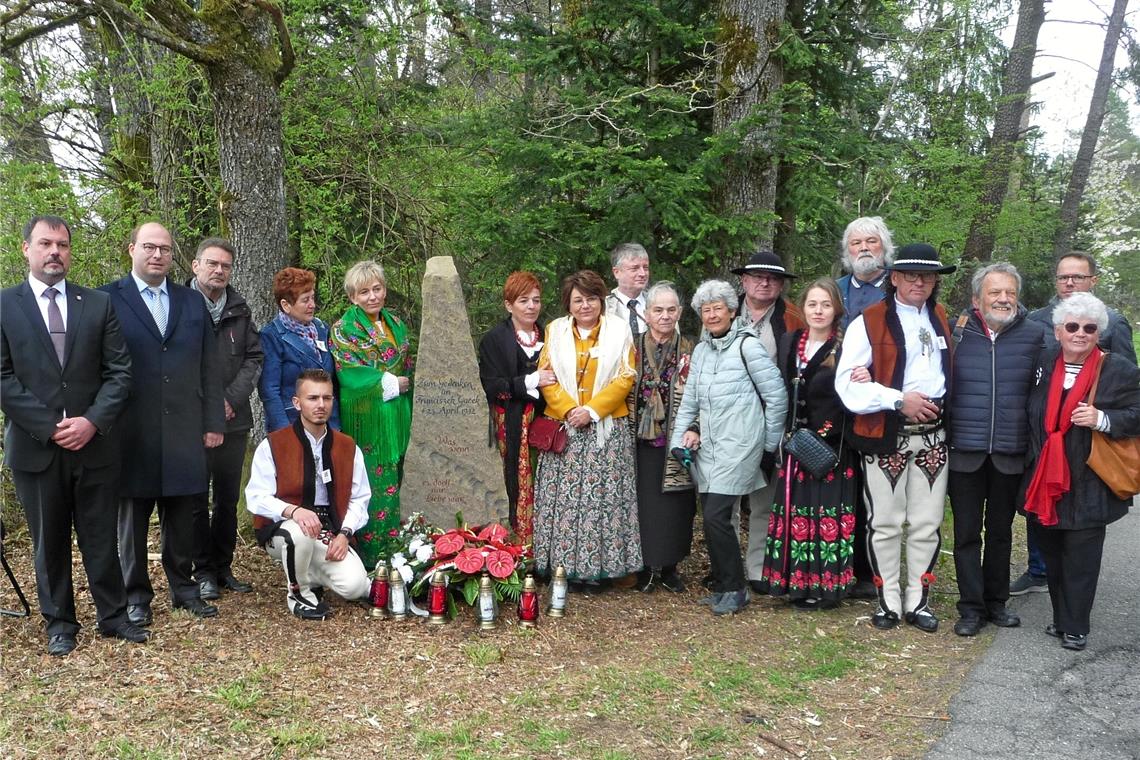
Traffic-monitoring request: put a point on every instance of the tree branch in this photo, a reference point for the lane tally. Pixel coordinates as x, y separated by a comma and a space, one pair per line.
287, 55
30, 33
159, 32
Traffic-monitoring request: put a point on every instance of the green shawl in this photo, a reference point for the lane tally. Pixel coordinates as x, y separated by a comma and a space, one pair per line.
363, 354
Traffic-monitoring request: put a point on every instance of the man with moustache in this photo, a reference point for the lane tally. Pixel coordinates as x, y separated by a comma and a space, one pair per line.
1076, 273
995, 365
864, 253
626, 302
903, 343
239, 358
308, 492
175, 412
764, 308
64, 377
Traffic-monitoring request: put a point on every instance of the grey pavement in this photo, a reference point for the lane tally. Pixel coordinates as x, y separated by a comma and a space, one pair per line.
1029, 698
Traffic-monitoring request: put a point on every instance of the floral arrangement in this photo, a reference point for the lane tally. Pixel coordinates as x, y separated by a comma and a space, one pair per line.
462, 554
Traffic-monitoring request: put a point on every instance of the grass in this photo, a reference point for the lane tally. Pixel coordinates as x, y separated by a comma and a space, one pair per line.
622, 676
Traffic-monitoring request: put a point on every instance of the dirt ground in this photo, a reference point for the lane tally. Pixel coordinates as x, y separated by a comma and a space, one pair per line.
624, 675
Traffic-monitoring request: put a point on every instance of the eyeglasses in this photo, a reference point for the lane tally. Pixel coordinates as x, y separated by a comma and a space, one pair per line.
222, 265
151, 249
916, 276
1076, 279
765, 279
1072, 327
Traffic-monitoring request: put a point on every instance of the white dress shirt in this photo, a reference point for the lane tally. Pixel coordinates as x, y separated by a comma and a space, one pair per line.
261, 491
617, 305
43, 301
164, 296
923, 372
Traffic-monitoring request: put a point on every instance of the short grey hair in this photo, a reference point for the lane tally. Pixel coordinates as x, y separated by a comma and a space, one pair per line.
873, 225
999, 268
711, 291
362, 274
1082, 306
658, 289
624, 251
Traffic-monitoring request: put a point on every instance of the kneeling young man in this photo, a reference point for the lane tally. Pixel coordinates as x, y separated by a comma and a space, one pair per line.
308, 492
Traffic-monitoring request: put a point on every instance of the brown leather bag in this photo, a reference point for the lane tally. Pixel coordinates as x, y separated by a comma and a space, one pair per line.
1116, 461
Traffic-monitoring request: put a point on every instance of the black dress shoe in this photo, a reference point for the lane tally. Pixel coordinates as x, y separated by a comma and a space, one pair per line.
61, 644
923, 619
885, 620
128, 631
140, 614
208, 589
969, 626
197, 608
1003, 618
758, 587
1075, 641
863, 590
230, 583
1054, 631
646, 581
672, 582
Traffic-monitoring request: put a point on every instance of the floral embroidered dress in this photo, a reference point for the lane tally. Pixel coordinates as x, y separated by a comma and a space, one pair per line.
366, 351
810, 546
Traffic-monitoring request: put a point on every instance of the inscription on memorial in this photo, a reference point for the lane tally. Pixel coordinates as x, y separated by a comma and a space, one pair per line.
449, 466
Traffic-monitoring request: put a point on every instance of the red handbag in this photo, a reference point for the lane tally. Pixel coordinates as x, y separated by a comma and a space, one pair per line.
547, 434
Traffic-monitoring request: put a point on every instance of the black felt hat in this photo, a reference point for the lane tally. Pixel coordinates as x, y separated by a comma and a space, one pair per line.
765, 262
919, 257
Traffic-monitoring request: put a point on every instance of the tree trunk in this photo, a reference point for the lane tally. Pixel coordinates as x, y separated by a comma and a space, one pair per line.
1003, 145
748, 75
247, 117
1082, 165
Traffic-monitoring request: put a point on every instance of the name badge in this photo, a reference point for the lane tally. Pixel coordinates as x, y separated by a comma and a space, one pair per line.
594, 352
941, 342
321, 345
326, 476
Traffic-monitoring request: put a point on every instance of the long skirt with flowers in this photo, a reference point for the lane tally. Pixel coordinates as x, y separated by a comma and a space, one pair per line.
810, 545
524, 505
375, 539
585, 507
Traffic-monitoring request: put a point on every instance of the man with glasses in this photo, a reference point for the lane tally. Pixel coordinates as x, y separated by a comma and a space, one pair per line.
893, 375
239, 358
626, 302
175, 412
764, 309
1076, 273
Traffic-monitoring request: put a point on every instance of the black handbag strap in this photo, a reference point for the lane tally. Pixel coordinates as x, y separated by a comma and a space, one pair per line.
755, 387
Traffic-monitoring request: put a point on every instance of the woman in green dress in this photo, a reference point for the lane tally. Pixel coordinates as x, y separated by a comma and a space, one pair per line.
373, 365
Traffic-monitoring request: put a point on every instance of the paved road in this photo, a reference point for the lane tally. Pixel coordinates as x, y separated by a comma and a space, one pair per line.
1029, 698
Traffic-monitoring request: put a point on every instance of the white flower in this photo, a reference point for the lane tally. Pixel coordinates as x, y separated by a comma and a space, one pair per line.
405, 572
423, 554
413, 547
398, 560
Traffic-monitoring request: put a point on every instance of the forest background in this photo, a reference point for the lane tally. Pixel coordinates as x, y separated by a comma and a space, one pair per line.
511, 134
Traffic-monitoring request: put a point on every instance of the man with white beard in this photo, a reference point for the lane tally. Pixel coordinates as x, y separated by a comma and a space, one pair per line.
867, 248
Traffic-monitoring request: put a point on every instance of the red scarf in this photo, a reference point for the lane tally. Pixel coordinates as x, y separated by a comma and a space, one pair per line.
1051, 479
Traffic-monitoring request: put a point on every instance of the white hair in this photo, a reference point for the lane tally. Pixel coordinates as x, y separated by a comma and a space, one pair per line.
659, 289
868, 225
624, 251
711, 291
1082, 306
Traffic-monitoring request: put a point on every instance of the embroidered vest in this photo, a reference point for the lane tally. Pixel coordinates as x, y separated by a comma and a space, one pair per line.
288, 458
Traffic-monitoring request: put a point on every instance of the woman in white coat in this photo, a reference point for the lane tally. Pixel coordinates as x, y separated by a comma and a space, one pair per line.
737, 397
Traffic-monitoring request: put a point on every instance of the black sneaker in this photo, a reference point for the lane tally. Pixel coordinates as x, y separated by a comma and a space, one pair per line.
1029, 583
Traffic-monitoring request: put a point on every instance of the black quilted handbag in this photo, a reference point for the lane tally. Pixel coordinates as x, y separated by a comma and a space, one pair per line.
811, 451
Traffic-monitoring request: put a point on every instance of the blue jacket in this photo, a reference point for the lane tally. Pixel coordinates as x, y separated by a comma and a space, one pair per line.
991, 384
286, 355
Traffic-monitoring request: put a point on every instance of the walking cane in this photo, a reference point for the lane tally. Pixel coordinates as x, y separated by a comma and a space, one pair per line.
12, 578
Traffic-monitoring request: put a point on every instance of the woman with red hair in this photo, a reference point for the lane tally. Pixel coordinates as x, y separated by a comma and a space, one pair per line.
508, 369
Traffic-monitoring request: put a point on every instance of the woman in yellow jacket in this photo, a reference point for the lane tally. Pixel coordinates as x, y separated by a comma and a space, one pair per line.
585, 512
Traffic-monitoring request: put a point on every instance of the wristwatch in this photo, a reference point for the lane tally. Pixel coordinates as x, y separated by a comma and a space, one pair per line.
346, 532
899, 405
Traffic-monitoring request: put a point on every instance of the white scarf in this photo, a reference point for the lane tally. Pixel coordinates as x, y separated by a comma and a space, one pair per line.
612, 354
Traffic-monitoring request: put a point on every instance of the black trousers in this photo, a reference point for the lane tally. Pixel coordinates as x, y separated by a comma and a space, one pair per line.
1072, 565
722, 542
176, 521
985, 498
67, 494
215, 536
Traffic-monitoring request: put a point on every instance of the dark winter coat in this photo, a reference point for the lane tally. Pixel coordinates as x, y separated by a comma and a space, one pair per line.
1089, 503
239, 358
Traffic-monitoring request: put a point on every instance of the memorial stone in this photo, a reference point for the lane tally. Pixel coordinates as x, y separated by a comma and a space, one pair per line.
449, 466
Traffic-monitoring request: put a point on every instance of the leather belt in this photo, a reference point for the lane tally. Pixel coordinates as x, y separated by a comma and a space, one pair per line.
922, 427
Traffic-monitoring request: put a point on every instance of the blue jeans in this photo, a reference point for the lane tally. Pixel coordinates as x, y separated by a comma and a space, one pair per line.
1036, 556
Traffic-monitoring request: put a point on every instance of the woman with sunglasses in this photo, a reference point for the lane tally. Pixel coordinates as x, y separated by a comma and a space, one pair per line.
1066, 500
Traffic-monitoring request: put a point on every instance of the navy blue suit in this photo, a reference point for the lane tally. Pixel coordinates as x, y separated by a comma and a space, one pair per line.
58, 487
175, 400
286, 355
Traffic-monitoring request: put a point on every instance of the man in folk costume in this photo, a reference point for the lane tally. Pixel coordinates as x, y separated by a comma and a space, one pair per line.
308, 492
903, 344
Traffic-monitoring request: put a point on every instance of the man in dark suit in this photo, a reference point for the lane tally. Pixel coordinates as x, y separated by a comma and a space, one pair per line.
174, 413
64, 376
